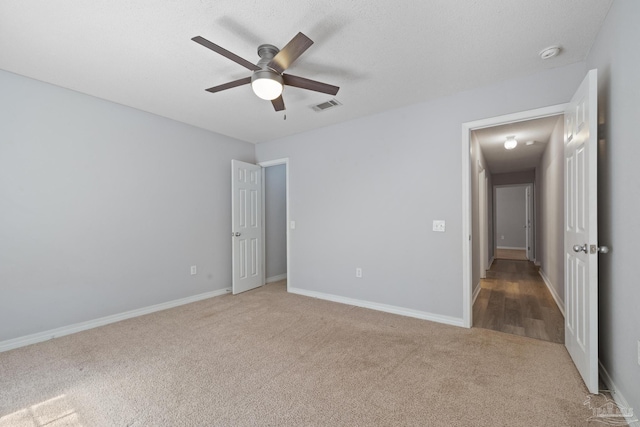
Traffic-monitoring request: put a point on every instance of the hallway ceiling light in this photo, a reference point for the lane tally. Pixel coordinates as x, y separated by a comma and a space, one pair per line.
510, 143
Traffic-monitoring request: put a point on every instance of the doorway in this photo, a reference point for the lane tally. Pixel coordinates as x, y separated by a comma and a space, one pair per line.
511, 295
476, 160
514, 222
275, 217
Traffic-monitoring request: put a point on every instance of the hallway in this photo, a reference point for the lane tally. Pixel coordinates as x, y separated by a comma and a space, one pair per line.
514, 299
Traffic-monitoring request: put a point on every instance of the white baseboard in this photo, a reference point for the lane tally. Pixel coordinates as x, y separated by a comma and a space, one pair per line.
553, 291
476, 292
617, 396
448, 320
511, 247
276, 278
90, 324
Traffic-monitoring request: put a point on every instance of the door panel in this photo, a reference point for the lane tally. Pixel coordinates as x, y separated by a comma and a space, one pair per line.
581, 231
246, 226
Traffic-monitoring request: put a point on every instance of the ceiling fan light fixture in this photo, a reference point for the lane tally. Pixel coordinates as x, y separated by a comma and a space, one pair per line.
267, 84
510, 143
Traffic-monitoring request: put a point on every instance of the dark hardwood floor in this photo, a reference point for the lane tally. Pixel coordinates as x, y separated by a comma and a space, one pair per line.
514, 299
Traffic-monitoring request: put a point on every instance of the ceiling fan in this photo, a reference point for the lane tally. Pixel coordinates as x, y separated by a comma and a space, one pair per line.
268, 78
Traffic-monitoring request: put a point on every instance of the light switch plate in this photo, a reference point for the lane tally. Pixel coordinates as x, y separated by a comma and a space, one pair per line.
292, 224
438, 225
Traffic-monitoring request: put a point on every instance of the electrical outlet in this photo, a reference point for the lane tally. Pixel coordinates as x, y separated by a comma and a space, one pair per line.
194, 270
359, 273
438, 225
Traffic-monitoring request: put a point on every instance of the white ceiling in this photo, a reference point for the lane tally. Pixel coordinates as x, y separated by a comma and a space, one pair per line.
382, 54
523, 157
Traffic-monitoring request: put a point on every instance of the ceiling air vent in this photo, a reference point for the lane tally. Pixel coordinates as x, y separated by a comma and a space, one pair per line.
326, 105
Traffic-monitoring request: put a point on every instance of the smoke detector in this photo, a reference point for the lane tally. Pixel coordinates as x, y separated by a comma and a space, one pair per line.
549, 52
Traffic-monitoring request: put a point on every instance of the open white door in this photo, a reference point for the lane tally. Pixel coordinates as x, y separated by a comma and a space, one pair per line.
482, 222
581, 230
528, 221
246, 226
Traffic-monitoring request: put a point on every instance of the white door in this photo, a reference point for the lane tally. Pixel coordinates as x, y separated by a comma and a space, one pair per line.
246, 226
528, 222
581, 230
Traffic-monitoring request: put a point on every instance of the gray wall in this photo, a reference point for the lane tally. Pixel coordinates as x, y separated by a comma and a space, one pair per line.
104, 208
510, 217
275, 207
616, 56
550, 185
364, 194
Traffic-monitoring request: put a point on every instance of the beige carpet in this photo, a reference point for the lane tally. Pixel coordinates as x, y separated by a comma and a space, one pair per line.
268, 358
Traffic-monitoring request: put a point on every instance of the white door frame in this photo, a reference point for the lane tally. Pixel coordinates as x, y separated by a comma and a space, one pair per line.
530, 225
467, 285
482, 223
266, 164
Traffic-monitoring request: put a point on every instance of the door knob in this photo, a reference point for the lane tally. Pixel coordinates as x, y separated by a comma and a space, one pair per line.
237, 234
584, 248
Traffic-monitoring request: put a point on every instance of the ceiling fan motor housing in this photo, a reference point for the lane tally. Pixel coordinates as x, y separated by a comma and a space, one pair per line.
266, 52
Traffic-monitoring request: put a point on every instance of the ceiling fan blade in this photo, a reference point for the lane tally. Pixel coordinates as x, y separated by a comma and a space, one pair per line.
229, 85
224, 52
278, 103
290, 53
301, 82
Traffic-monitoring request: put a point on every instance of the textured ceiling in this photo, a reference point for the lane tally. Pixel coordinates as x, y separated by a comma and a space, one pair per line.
523, 157
382, 54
